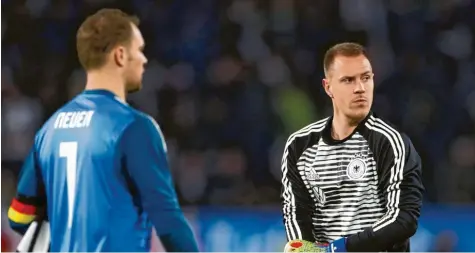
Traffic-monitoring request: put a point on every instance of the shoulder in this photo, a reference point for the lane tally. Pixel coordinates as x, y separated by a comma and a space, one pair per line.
145, 125
146, 120
315, 127
385, 128
387, 134
49, 125
133, 117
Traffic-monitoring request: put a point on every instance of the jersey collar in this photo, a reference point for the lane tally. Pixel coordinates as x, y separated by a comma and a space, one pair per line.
327, 136
104, 92
100, 92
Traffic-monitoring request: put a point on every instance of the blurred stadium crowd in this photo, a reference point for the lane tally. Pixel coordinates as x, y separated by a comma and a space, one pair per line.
229, 80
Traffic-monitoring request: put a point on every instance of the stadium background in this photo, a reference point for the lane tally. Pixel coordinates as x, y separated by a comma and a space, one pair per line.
229, 80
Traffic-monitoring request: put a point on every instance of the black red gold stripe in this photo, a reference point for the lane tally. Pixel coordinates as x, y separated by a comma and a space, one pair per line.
23, 208
21, 213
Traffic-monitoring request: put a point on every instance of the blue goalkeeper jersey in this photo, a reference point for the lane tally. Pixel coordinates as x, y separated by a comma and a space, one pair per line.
101, 167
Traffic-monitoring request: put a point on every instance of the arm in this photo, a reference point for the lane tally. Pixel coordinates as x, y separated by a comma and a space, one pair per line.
400, 178
296, 201
30, 197
146, 162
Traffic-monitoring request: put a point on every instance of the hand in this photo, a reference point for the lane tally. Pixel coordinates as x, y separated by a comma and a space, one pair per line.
306, 246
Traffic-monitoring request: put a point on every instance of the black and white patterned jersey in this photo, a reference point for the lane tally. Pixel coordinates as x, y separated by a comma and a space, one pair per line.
366, 187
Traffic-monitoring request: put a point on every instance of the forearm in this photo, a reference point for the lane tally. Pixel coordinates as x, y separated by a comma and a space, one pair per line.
297, 213
385, 238
297, 205
175, 233
298, 227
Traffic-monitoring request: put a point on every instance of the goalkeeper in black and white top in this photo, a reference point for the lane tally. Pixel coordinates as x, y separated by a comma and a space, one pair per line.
350, 182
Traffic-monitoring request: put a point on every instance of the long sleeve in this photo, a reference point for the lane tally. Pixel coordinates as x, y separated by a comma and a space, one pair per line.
399, 168
30, 197
296, 201
147, 164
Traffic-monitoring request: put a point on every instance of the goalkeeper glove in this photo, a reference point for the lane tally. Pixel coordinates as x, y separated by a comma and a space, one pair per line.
307, 246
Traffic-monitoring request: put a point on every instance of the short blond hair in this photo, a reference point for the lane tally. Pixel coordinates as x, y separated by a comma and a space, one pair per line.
348, 49
100, 33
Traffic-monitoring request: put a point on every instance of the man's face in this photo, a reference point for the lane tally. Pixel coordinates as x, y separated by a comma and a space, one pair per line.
134, 66
350, 85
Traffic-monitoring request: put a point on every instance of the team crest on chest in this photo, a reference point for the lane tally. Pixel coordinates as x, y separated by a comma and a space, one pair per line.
356, 169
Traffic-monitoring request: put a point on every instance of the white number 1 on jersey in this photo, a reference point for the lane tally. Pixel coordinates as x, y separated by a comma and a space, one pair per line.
69, 151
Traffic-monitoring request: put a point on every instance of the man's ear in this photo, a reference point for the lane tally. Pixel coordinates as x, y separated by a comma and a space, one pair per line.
119, 56
328, 88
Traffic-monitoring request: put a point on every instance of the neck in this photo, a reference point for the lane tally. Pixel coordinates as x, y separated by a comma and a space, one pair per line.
106, 80
342, 126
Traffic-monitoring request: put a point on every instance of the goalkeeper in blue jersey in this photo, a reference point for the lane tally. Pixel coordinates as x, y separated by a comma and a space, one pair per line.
99, 167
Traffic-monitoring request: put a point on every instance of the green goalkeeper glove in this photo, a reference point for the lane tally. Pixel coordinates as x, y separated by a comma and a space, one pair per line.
306, 246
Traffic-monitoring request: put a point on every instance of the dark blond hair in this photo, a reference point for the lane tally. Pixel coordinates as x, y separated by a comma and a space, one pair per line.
100, 33
348, 49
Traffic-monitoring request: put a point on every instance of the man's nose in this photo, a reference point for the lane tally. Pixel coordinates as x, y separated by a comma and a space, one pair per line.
360, 88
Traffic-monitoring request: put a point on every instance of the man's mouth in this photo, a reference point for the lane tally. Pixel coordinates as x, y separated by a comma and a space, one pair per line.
360, 100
